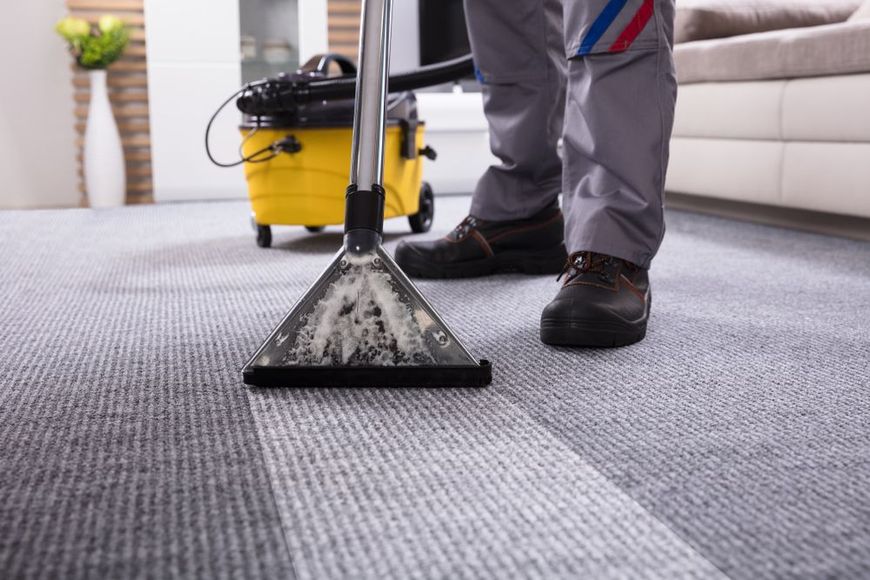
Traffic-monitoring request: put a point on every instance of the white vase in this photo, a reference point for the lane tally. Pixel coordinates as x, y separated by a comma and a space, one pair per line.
105, 177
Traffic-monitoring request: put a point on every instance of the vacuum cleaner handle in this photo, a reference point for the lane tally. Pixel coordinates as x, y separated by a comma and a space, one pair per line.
318, 65
364, 203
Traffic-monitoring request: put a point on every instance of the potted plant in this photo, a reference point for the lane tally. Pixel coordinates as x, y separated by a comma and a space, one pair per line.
95, 48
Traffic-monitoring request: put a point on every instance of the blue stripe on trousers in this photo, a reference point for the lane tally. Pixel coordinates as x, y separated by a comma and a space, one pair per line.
600, 26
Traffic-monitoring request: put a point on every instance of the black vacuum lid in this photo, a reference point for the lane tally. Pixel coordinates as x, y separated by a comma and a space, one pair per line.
400, 106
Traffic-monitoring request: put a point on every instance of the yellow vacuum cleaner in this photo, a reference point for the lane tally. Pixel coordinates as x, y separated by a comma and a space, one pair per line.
296, 126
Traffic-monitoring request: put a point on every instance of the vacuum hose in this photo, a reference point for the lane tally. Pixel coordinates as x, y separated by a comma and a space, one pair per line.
285, 94
427, 76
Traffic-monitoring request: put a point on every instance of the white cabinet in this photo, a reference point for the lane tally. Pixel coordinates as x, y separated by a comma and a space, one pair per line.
194, 51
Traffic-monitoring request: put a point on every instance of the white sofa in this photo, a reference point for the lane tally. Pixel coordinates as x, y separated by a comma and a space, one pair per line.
801, 143
800, 139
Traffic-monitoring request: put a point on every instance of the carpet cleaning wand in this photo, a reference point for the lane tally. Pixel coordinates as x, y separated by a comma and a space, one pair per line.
363, 323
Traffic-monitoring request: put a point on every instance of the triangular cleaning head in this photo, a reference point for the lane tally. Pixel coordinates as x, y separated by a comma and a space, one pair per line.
363, 323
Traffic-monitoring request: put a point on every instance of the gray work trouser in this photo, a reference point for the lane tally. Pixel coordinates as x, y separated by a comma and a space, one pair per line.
612, 100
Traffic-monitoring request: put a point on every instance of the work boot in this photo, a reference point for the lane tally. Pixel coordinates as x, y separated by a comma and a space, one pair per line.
479, 247
604, 302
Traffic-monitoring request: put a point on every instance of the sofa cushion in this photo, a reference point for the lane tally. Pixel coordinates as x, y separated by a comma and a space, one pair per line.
803, 52
740, 110
862, 13
829, 177
726, 168
826, 109
818, 109
705, 19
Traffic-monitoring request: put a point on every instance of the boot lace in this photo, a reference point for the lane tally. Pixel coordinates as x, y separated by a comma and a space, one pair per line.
582, 263
466, 225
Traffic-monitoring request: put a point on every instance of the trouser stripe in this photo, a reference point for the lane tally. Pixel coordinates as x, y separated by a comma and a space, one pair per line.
634, 28
600, 26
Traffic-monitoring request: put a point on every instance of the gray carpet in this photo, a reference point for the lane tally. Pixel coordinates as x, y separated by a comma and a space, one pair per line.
734, 441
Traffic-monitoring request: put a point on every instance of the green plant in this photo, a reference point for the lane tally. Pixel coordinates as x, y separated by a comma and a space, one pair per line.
94, 47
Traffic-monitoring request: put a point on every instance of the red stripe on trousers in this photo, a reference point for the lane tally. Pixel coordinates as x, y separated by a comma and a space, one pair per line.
634, 28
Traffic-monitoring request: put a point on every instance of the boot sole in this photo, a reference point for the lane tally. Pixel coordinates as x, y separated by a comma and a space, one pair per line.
595, 333
589, 335
546, 262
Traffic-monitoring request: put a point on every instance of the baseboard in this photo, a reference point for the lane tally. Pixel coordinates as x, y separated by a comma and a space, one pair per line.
857, 228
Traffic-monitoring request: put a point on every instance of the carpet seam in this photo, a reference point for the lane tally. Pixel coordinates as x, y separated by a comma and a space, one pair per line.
265, 466
514, 400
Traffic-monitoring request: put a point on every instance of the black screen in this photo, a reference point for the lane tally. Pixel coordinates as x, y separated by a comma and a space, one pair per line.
442, 31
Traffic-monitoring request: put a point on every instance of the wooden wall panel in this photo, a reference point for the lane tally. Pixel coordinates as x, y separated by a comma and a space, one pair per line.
128, 93
343, 24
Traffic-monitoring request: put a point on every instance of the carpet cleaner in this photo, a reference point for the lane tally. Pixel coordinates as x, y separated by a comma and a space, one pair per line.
289, 155
363, 323
296, 124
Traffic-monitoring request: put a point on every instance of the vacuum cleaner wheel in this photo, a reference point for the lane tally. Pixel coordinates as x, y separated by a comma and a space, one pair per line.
264, 236
421, 222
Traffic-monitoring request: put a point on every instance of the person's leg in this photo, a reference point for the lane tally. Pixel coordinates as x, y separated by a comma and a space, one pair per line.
519, 56
619, 114
515, 223
618, 120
